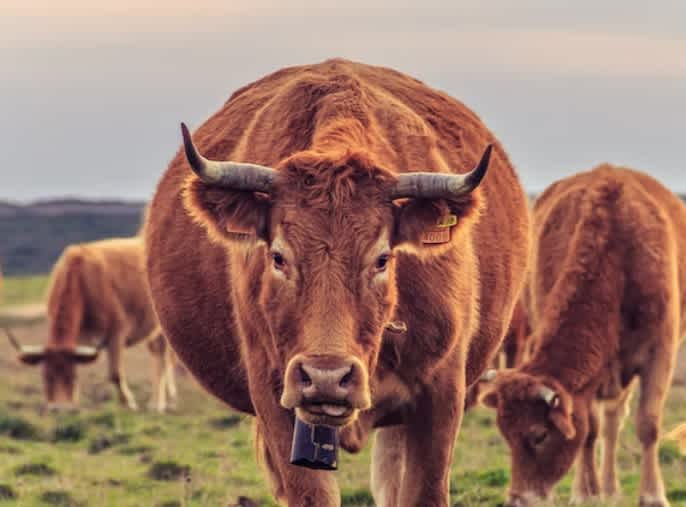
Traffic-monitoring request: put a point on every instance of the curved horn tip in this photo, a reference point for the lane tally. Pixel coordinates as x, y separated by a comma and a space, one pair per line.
13, 339
549, 396
475, 177
192, 154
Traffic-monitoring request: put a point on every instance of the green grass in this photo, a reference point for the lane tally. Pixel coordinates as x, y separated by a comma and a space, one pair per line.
20, 290
107, 456
202, 454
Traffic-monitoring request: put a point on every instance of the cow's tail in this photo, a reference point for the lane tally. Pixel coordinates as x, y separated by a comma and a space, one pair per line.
679, 434
66, 305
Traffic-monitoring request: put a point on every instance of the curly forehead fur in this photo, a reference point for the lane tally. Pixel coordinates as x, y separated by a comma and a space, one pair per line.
333, 179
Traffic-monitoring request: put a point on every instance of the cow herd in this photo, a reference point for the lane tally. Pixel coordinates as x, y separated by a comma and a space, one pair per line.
342, 245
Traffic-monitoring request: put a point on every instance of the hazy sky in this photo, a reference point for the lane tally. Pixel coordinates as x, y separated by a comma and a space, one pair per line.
91, 97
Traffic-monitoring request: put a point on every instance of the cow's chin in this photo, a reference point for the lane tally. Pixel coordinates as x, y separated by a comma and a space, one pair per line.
321, 414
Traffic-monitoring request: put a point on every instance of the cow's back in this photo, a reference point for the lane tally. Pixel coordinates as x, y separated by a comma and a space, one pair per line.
120, 285
409, 127
646, 222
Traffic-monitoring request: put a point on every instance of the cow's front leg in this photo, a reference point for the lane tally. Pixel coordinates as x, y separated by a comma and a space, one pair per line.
430, 435
292, 485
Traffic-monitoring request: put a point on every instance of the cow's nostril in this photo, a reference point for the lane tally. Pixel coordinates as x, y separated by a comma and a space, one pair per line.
347, 378
304, 377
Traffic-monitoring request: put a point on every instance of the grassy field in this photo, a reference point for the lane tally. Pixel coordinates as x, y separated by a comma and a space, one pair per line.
20, 290
202, 453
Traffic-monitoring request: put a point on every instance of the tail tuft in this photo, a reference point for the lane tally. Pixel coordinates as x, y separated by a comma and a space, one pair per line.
679, 434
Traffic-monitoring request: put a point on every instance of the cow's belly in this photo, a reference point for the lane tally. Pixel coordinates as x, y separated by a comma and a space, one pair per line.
190, 291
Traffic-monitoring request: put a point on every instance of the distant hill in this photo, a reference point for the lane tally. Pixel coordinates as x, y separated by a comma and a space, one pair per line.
32, 236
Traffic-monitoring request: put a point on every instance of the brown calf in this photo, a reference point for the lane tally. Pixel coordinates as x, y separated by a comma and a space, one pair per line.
607, 303
98, 297
275, 277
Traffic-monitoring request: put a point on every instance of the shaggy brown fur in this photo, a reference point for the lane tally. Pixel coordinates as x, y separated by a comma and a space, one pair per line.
98, 294
238, 315
514, 350
607, 295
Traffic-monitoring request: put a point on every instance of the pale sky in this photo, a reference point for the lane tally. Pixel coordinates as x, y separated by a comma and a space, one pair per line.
91, 97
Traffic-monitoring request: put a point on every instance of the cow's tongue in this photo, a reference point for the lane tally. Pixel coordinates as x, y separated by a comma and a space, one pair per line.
333, 410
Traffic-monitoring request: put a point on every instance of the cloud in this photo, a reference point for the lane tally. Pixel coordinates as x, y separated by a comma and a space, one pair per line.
563, 86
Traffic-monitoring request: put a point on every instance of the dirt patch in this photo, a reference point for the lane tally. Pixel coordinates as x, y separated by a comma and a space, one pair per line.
18, 428
169, 503
244, 501
38, 469
11, 450
70, 431
168, 471
7, 493
59, 498
222, 423
103, 442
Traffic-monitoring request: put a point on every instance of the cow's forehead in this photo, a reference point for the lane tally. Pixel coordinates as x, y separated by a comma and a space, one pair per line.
348, 232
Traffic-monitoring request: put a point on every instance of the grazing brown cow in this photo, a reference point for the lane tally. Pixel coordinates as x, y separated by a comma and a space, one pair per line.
274, 276
607, 292
98, 295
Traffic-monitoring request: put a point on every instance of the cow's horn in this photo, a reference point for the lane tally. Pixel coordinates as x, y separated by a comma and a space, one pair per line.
86, 351
488, 376
549, 396
13, 339
425, 185
231, 175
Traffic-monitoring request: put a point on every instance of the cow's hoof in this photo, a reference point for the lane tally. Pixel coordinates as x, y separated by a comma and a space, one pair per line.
580, 499
653, 501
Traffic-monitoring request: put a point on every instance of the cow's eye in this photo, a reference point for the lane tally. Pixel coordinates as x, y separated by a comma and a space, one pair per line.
279, 261
382, 262
537, 437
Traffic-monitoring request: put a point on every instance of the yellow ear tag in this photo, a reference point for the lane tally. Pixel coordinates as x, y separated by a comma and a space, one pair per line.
440, 233
447, 221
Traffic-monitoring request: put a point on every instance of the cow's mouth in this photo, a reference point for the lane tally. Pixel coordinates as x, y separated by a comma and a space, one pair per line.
327, 413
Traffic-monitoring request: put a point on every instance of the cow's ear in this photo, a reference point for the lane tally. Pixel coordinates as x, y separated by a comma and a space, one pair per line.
561, 416
430, 227
489, 398
32, 357
227, 215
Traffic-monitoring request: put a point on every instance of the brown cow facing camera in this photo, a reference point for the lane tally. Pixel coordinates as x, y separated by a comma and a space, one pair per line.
607, 290
335, 203
98, 297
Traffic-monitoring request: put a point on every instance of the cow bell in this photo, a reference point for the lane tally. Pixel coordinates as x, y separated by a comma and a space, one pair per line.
314, 446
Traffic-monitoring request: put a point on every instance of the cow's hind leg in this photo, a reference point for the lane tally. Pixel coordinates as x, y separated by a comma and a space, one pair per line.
172, 392
388, 458
655, 380
115, 349
614, 413
158, 355
586, 476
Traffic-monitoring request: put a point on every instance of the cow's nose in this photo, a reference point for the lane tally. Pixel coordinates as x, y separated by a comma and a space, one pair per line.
325, 379
327, 382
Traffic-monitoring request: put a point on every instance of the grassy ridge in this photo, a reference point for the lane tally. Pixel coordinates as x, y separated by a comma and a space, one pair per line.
20, 290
